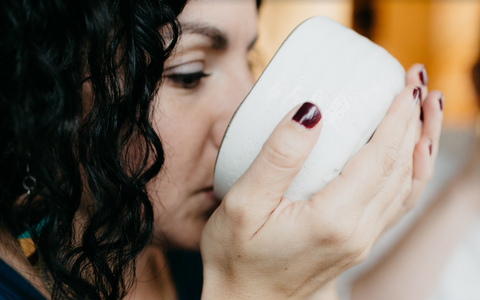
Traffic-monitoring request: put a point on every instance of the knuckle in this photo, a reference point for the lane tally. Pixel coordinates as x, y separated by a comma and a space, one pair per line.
359, 253
338, 232
404, 194
355, 250
345, 237
233, 209
388, 157
282, 156
406, 169
407, 195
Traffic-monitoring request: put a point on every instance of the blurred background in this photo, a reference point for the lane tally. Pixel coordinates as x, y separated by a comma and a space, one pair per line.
444, 35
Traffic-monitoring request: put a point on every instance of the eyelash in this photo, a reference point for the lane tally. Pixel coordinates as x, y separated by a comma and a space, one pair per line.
187, 80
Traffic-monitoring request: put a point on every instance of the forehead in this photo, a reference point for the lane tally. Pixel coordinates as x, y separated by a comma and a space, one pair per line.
233, 17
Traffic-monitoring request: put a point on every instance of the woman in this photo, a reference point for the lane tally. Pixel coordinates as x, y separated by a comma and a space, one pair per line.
205, 80
255, 244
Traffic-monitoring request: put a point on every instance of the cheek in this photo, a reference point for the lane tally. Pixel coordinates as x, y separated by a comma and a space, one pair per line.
183, 141
185, 127
182, 136
178, 121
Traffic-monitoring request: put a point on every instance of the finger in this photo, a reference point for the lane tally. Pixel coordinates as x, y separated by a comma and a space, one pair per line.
394, 213
424, 155
417, 76
374, 229
397, 186
432, 118
368, 170
403, 201
397, 208
373, 226
422, 171
262, 186
426, 149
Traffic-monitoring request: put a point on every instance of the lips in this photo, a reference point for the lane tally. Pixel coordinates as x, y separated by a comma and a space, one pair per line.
210, 194
211, 200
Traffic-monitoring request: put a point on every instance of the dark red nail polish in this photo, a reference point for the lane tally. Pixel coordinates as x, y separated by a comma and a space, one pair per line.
423, 76
441, 102
308, 115
417, 94
421, 114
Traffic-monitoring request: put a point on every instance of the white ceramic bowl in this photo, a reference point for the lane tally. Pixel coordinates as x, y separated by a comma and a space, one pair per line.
352, 80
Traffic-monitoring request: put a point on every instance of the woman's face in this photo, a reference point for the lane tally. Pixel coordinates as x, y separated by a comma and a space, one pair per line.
205, 80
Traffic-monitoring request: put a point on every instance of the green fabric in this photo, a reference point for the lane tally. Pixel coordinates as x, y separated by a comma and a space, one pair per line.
27, 235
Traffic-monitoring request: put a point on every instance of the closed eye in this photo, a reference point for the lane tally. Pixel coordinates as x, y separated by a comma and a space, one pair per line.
186, 80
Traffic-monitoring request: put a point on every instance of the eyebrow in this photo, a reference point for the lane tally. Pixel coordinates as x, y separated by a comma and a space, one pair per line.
217, 37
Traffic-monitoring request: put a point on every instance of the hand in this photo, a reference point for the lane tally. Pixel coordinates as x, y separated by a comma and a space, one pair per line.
260, 245
426, 149
327, 292
428, 137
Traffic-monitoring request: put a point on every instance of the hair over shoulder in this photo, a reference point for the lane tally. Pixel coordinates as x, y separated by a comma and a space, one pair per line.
76, 87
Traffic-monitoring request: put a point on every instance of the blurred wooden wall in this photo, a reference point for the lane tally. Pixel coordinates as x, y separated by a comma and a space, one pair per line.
279, 17
442, 34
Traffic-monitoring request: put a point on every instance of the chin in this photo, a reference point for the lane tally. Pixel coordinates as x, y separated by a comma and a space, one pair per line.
184, 231
191, 243
184, 237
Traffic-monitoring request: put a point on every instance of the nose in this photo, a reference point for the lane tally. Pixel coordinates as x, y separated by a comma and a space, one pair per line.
238, 84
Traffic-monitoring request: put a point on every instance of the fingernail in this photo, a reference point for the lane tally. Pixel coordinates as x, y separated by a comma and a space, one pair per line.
430, 147
417, 94
421, 114
441, 102
423, 76
308, 115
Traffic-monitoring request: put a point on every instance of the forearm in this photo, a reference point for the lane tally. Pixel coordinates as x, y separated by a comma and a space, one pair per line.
412, 269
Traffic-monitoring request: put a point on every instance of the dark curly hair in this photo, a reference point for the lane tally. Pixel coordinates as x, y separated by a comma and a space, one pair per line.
76, 87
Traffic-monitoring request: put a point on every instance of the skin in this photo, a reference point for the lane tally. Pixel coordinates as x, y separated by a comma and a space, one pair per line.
241, 242
192, 113
11, 253
190, 119
410, 271
416, 263
244, 247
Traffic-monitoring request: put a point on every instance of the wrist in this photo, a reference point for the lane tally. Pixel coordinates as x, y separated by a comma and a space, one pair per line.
327, 292
218, 286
